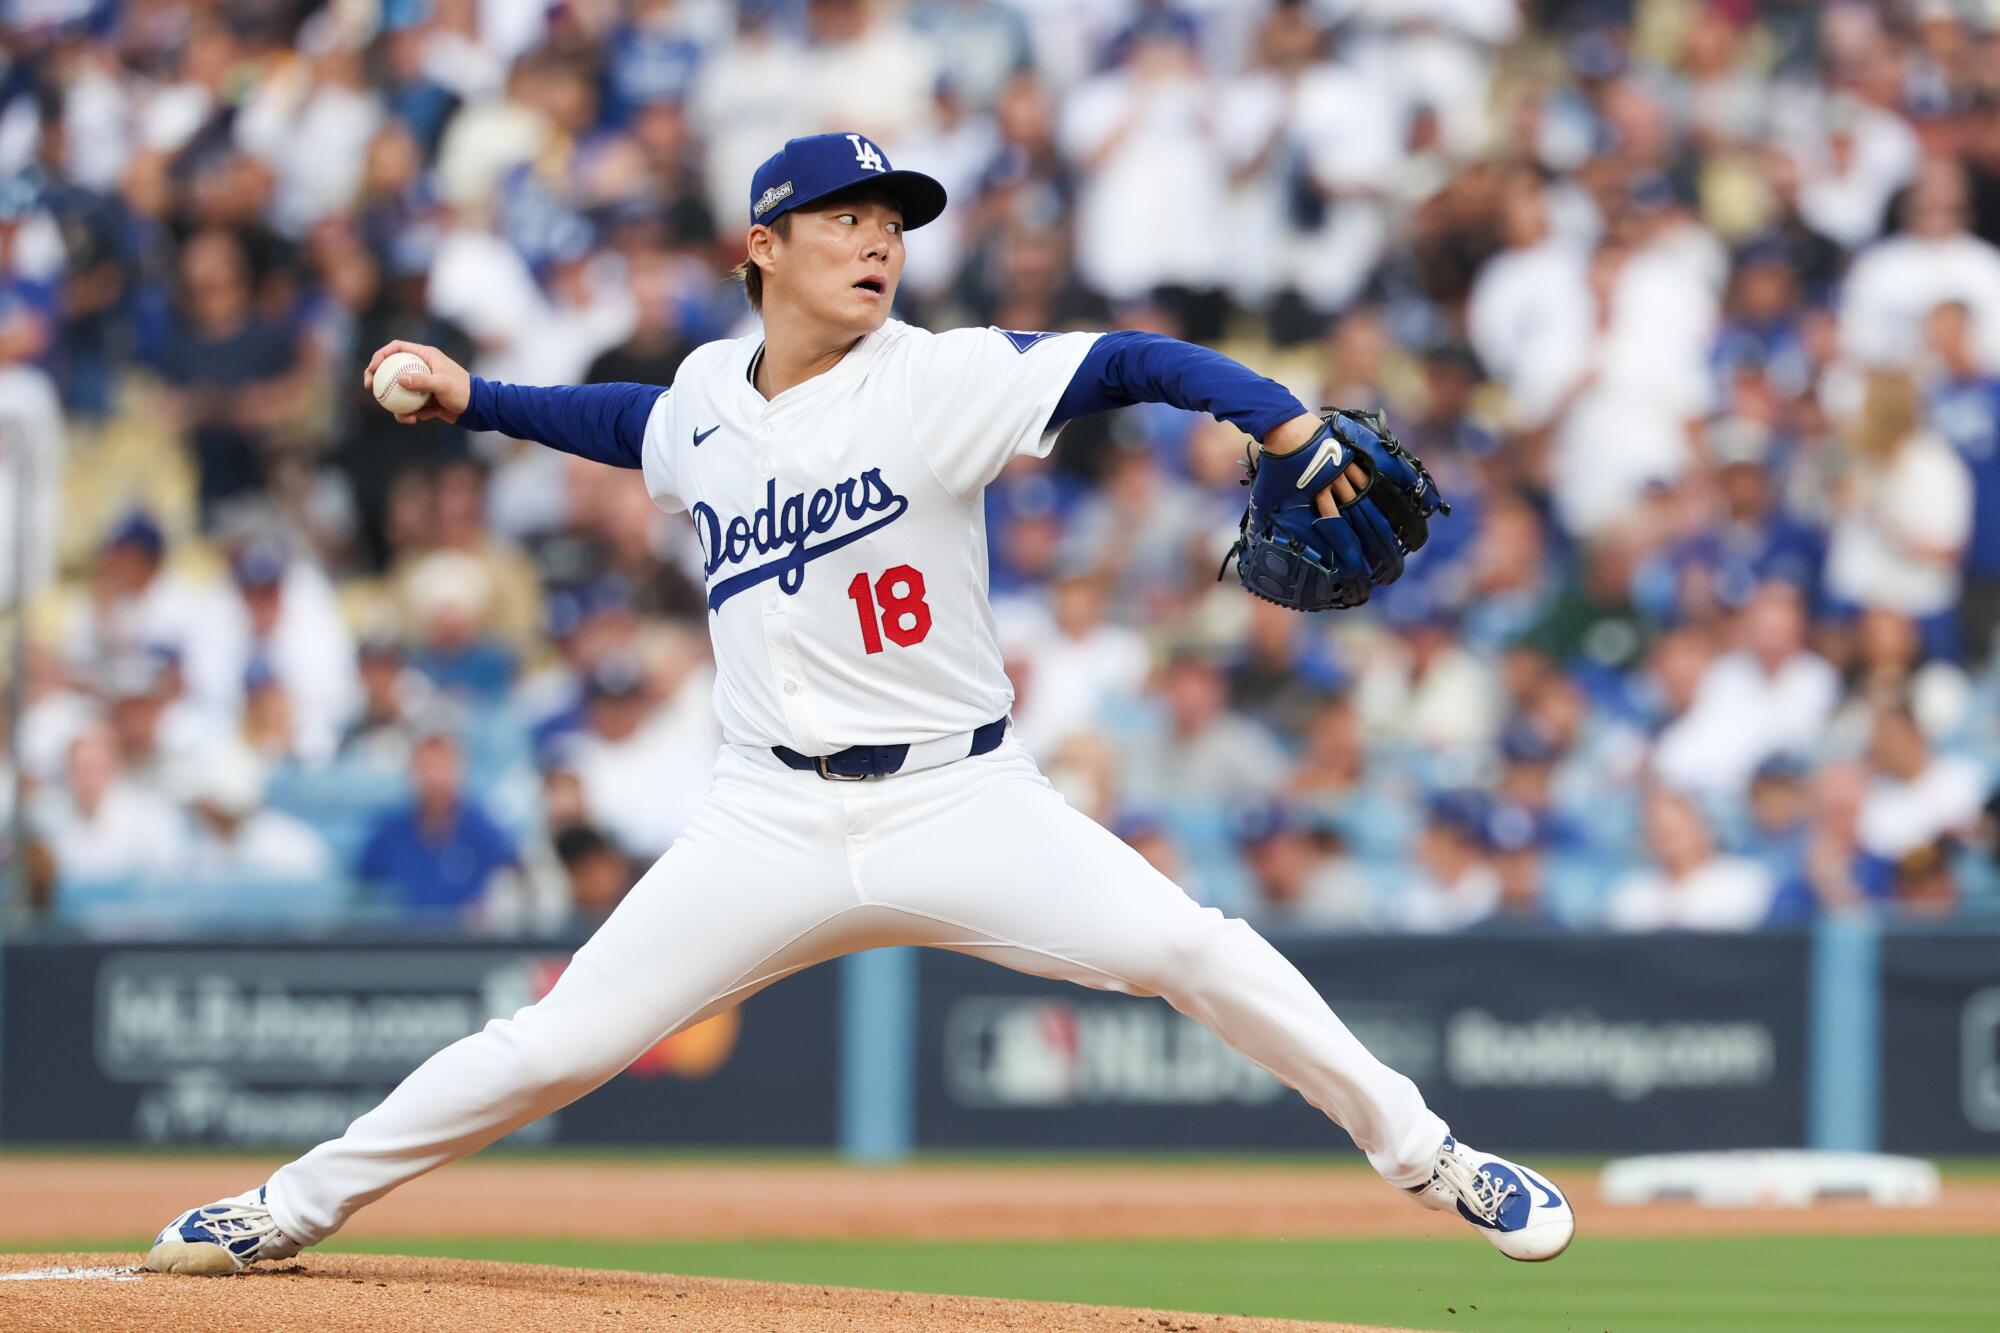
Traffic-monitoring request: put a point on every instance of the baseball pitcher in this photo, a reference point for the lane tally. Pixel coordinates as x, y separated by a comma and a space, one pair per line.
868, 792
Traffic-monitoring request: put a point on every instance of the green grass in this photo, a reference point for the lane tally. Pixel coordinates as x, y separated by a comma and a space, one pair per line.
1725, 1285
1843, 1284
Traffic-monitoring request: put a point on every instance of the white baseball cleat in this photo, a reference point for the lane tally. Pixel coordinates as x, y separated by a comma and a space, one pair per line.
222, 1239
1519, 1211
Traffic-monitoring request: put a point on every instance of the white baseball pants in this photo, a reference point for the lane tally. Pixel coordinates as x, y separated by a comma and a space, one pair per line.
780, 870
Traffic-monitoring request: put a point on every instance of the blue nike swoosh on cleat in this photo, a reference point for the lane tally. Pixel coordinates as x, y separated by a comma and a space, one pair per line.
701, 435
1550, 1199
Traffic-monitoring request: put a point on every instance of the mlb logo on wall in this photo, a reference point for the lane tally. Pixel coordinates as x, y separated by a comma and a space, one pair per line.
1017, 1053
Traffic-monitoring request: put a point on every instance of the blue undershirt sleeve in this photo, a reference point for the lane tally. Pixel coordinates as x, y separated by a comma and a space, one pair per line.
1130, 367
602, 422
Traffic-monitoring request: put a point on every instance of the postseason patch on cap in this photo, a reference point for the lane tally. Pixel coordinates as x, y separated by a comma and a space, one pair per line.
771, 198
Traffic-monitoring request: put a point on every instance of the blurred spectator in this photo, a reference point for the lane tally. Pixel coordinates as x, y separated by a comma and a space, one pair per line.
586, 623
1914, 797
100, 825
1780, 808
311, 120
1624, 421
160, 735
234, 839
511, 605
598, 873
1301, 877
31, 421
1342, 142
1144, 129
1424, 686
1895, 284
1529, 756
1906, 515
643, 757
1516, 589
1284, 672
270, 720
438, 856
1851, 165
1926, 881
1454, 886
1068, 666
135, 605
1885, 655
1332, 765
1690, 886
1839, 877
1203, 756
230, 371
292, 630
1964, 407
979, 43
1771, 694
1143, 529
1150, 838
1531, 317
392, 698
867, 69
1751, 538
450, 595
1517, 846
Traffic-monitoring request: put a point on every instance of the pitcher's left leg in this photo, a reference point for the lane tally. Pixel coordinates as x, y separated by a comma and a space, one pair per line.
992, 855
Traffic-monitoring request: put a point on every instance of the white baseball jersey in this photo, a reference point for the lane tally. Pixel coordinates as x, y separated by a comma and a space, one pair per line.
843, 529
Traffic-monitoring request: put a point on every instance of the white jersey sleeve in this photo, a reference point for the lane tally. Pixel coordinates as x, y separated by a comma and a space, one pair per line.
657, 458
979, 397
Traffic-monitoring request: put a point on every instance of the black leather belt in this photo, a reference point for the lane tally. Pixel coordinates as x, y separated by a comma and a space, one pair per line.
859, 762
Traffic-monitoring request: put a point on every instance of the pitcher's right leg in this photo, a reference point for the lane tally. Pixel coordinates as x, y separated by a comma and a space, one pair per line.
741, 900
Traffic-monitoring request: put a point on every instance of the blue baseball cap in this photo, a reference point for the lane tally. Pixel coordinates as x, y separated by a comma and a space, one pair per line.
822, 164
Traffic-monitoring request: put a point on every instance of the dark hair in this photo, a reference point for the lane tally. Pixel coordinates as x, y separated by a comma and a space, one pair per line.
751, 276
579, 842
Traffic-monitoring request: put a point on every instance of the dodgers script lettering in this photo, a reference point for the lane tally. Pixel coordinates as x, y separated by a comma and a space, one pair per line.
786, 527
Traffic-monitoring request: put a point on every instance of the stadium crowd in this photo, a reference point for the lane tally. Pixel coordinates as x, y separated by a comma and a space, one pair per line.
1692, 306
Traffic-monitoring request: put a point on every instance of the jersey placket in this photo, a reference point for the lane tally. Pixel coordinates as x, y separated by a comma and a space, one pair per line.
795, 694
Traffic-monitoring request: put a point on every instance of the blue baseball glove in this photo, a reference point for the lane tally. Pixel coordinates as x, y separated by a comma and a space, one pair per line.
1287, 552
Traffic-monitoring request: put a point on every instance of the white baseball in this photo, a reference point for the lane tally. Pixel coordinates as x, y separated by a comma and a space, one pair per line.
394, 396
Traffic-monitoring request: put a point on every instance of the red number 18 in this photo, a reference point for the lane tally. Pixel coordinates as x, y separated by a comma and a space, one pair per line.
905, 615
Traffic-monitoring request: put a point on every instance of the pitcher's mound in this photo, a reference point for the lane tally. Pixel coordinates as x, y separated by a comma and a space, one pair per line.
392, 1294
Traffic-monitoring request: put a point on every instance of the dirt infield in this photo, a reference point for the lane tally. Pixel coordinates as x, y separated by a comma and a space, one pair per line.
394, 1294
59, 1200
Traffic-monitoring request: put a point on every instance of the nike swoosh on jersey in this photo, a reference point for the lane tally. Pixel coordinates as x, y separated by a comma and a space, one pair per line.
701, 435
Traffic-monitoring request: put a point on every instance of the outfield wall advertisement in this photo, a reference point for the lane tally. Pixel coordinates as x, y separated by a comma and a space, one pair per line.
1537, 1041
286, 1044
1530, 1041
1941, 1043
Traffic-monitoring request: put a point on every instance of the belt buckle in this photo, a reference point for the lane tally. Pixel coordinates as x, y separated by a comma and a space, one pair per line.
819, 762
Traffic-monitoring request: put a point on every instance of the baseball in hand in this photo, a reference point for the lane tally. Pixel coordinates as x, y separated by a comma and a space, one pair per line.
394, 396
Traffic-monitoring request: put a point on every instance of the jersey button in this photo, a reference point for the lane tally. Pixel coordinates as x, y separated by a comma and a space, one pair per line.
791, 687
764, 431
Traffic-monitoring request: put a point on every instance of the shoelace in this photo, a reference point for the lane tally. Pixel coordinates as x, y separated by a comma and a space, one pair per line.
238, 1224
1476, 1189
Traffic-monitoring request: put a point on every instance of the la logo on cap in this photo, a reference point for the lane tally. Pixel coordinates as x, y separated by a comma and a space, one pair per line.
866, 154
